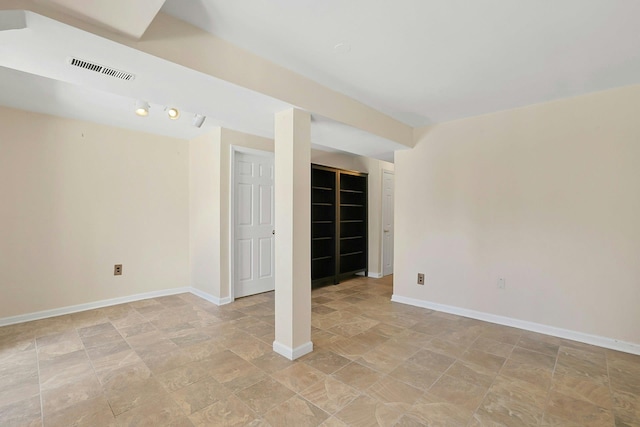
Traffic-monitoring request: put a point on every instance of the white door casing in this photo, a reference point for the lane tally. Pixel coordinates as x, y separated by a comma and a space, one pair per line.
387, 222
253, 219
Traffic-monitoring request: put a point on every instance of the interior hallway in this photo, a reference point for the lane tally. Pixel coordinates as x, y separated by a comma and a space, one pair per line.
182, 361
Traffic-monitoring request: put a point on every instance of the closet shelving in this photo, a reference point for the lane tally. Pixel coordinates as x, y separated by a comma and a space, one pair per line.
338, 223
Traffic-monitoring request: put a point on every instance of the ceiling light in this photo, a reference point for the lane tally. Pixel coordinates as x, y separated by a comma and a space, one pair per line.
173, 113
198, 120
142, 108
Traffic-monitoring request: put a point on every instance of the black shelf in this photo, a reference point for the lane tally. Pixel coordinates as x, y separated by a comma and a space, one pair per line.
338, 223
352, 253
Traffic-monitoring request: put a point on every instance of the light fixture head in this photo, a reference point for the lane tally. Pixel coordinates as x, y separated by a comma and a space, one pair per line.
142, 108
198, 120
172, 112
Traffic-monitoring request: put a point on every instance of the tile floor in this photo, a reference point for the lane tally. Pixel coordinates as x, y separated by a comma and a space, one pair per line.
181, 361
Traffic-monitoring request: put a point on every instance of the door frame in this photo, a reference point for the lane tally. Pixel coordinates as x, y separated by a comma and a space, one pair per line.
390, 172
234, 150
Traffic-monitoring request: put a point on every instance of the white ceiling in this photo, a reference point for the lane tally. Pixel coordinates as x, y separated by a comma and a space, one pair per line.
429, 61
420, 61
35, 75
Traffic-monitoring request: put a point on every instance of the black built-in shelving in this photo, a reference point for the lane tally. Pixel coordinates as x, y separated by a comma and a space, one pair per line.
338, 223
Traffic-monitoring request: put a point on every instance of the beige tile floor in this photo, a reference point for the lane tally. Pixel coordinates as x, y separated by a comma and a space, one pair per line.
181, 361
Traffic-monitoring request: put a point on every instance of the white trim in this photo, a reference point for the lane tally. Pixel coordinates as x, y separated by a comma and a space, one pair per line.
21, 318
612, 343
212, 299
370, 274
390, 172
292, 353
89, 306
232, 222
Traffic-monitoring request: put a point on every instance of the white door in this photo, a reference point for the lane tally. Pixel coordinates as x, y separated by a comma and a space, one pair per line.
387, 223
253, 219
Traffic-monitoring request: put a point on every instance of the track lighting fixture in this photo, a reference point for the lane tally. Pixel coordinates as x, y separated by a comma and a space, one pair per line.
142, 108
173, 113
198, 120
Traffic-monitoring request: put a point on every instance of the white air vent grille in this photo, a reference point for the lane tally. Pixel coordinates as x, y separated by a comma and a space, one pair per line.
123, 75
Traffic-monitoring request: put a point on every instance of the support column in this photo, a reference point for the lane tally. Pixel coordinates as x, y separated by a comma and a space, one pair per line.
293, 233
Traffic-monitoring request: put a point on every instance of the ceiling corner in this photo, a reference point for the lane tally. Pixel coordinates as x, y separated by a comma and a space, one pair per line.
125, 17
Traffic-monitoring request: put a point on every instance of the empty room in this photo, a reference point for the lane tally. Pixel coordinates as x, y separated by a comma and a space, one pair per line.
319, 213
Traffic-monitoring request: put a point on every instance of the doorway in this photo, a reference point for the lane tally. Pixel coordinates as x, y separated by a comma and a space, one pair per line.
387, 222
253, 222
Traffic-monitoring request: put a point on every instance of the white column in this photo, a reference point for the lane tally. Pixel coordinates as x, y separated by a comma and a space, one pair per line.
293, 233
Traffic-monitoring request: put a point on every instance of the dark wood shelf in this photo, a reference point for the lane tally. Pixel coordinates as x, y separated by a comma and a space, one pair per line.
352, 253
334, 189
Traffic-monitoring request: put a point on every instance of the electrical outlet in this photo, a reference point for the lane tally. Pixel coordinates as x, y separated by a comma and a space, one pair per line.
502, 283
420, 278
117, 270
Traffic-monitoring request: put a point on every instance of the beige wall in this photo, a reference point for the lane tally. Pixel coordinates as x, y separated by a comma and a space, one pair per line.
78, 198
546, 196
205, 246
374, 168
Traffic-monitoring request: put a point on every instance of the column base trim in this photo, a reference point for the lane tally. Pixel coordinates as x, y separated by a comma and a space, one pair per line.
292, 353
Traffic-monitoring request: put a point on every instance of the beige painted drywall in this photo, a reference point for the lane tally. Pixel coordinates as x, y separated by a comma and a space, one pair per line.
205, 245
176, 41
77, 198
546, 196
209, 206
374, 168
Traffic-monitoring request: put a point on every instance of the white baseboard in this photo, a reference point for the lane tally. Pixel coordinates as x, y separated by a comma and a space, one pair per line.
5, 321
213, 299
89, 306
371, 274
292, 353
612, 343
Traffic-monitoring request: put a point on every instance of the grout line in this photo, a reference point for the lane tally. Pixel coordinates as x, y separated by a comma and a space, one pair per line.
606, 356
553, 374
484, 396
35, 344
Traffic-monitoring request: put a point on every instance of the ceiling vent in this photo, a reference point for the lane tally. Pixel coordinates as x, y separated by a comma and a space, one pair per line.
123, 75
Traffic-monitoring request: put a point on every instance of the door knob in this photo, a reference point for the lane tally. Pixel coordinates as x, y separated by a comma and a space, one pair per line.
273, 232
